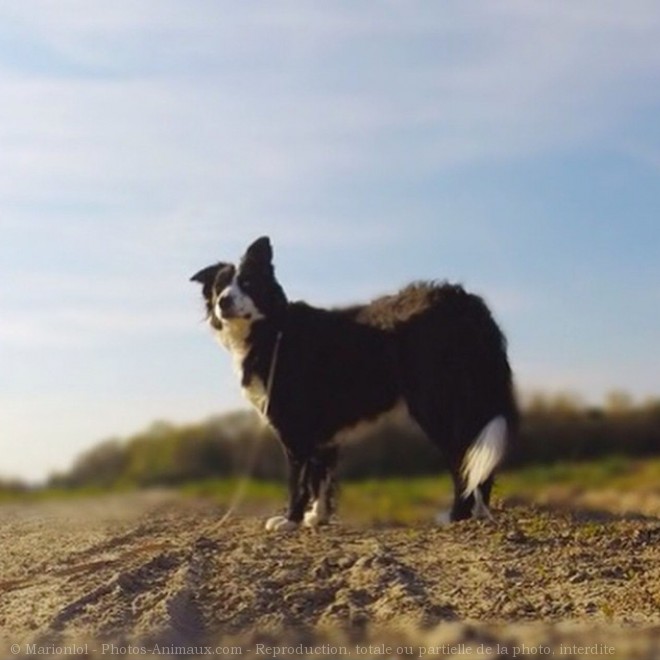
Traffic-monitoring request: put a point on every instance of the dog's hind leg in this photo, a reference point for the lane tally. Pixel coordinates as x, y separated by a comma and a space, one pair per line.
463, 505
463, 508
480, 509
473, 475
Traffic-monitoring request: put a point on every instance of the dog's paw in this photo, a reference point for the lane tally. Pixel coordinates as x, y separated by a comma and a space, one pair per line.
480, 511
443, 518
280, 524
313, 519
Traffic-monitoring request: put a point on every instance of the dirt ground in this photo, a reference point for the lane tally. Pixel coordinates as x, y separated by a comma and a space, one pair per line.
137, 575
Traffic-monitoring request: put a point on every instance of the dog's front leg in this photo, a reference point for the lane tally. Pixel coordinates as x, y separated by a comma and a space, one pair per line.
321, 469
298, 496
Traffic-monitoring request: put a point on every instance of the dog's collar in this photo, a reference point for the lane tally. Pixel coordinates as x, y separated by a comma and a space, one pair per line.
271, 374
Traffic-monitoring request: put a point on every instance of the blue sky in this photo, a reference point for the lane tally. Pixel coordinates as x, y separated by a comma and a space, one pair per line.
512, 146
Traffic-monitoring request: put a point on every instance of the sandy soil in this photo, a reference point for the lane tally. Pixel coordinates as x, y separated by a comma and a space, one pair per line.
154, 568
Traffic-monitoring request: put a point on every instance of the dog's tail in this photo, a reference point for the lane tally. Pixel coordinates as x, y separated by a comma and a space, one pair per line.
484, 454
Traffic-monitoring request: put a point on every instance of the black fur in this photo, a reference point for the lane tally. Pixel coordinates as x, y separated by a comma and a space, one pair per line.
212, 278
433, 346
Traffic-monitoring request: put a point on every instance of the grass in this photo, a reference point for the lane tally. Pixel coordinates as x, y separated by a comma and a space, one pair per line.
405, 500
408, 500
615, 472
37, 494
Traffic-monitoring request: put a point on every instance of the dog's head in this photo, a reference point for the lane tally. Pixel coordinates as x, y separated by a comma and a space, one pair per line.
243, 294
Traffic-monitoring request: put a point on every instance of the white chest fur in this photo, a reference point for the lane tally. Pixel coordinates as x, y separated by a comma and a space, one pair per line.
233, 337
255, 393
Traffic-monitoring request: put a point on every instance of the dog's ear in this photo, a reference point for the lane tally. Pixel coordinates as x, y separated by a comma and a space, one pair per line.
260, 250
206, 277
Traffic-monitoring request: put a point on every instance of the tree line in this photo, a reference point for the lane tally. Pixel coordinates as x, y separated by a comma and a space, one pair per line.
553, 428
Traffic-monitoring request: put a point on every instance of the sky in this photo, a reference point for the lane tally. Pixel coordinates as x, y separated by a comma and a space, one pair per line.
510, 146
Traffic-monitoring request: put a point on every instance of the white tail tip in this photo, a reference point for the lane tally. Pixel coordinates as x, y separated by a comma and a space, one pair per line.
484, 454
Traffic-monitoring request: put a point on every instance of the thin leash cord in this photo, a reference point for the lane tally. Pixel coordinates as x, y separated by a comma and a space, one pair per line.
239, 494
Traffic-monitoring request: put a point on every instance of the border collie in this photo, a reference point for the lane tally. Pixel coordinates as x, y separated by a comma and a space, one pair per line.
431, 349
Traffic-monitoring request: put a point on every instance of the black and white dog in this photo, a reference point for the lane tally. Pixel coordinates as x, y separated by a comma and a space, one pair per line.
314, 374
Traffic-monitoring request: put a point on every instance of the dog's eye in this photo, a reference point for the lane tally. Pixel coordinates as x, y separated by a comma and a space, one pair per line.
245, 283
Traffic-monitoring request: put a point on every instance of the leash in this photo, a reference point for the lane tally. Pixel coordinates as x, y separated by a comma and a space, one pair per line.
239, 493
271, 374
